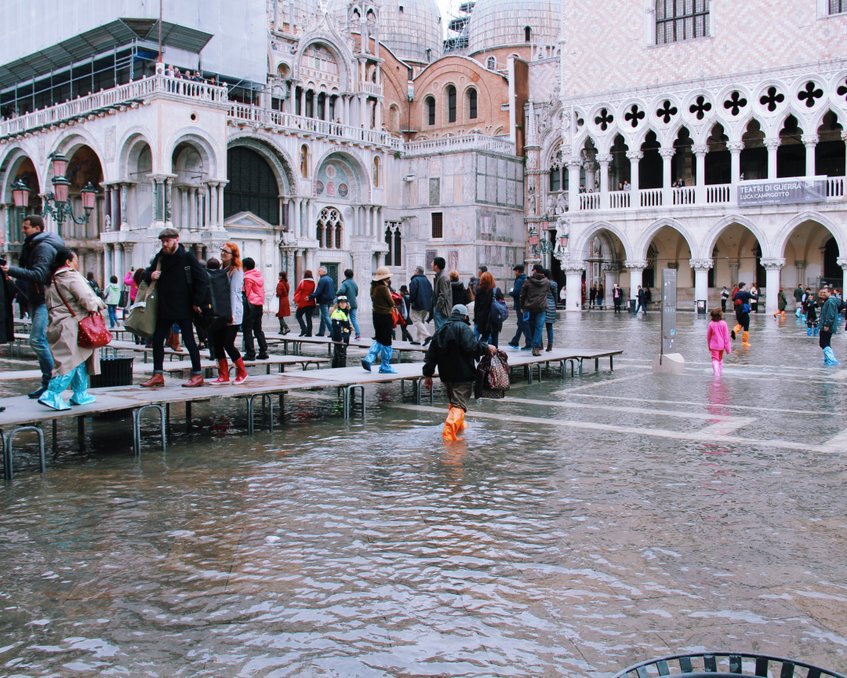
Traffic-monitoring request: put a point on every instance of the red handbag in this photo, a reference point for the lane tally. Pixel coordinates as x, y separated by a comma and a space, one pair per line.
92, 332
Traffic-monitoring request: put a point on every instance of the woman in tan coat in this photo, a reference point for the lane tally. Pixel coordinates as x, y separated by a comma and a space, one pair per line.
72, 362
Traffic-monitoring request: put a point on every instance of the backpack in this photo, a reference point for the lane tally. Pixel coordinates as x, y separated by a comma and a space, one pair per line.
218, 310
499, 311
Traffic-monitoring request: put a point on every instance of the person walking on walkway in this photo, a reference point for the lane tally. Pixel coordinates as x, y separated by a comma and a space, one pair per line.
420, 298
453, 350
69, 299
341, 328
523, 328
442, 293
112, 296
227, 286
304, 303
383, 322
741, 299
534, 301
283, 288
182, 285
323, 295
550, 316
31, 275
718, 341
254, 311
484, 322
350, 290
828, 322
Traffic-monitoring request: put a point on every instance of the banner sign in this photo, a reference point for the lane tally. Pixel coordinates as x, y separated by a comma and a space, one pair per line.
668, 310
781, 192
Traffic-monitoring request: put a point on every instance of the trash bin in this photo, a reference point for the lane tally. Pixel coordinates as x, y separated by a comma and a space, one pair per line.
114, 371
701, 307
632, 305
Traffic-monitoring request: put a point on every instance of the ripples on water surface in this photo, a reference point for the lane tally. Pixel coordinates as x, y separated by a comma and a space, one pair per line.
373, 549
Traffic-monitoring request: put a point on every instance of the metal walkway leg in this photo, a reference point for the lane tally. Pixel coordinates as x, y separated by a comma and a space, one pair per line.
8, 463
136, 426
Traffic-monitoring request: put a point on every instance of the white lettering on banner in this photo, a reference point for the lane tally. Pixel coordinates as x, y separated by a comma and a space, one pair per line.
781, 192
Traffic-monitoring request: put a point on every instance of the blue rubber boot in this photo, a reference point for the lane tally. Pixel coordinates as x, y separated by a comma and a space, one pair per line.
79, 385
808, 331
52, 397
815, 331
385, 365
369, 359
829, 357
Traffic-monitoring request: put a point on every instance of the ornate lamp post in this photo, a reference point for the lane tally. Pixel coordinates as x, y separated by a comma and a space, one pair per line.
56, 204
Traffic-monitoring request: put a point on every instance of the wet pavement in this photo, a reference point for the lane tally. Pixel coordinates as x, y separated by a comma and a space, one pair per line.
580, 527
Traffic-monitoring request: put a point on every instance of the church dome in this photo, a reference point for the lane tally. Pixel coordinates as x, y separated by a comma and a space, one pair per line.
503, 23
409, 28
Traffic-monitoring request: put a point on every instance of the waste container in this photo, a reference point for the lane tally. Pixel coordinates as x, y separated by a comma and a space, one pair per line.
632, 305
114, 371
701, 307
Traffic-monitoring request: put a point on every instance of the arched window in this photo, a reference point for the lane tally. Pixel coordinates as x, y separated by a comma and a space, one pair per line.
527, 34
472, 112
451, 103
491, 63
676, 21
304, 160
376, 172
429, 103
329, 229
394, 240
252, 185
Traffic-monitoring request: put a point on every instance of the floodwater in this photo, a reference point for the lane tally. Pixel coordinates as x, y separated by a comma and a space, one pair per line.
582, 526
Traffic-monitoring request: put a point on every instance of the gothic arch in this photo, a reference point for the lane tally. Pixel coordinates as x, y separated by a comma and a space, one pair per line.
204, 146
9, 166
70, 144
582, 241
646, 236
131, 145
343, 57
781, 239
719, 227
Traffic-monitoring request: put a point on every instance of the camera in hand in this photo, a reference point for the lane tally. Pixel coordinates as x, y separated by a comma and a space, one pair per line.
3, 261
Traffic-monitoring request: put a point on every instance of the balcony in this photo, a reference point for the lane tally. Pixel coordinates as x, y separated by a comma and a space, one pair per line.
469, 142
815, 190
137, 91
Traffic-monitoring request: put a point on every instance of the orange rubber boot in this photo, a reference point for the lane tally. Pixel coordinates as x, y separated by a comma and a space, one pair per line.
451, 425
744, 339
462, 425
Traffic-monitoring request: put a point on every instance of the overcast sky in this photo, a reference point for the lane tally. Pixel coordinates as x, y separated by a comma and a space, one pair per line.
447, 7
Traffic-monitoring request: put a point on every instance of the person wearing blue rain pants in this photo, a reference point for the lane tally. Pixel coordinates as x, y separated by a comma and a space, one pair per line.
827, 322
383, 310
69, 298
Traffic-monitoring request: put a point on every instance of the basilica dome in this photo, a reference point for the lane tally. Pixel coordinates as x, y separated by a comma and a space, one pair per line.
410, 28
503, 23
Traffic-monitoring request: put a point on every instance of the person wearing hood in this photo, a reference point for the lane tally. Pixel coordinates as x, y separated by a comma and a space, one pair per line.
32, 274
454, 350
383, 322
828, 322
254, 311
182, 285
534, 302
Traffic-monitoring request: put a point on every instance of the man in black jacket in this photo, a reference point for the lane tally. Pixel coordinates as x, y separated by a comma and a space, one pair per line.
182, 286
31, 275
453, 350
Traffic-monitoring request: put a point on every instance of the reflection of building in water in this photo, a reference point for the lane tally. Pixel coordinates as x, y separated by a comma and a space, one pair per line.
366, 140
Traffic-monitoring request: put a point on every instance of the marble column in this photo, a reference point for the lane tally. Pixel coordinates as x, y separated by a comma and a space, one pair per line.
700, 152
610, 276
574, 166
636, 271
667, 160
772, 268
842, 262
701, 279
772, 145
573, 275
634, 158
604, 161
733, 272
801, 272
124, 189
810, 141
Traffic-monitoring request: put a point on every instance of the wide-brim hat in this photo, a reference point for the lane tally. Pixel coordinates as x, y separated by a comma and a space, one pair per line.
168, 233
382, 273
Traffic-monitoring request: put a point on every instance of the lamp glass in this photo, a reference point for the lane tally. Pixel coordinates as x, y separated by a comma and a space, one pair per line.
60, 164
89, 196
60, 189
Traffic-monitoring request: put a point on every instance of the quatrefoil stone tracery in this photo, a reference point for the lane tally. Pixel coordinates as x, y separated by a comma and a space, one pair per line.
810, 93
735, 103
772, 99
842, 89
700, 107
604, 119
666, 112
634, 115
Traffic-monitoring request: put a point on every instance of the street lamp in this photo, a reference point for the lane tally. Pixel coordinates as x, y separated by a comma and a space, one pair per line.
538, 244
56, 204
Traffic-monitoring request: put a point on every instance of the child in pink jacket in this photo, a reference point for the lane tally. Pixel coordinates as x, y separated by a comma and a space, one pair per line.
718, 341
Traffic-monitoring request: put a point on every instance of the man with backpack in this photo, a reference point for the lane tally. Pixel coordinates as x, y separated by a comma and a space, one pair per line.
420, 300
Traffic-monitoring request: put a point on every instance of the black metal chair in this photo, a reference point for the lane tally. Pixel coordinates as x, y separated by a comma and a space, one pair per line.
725, 665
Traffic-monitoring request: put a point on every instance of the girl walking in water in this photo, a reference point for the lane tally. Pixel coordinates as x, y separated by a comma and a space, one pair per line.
718, 341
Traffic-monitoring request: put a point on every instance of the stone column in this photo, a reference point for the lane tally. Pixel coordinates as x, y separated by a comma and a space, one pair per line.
589, 175
772, 145
573, 275
192, 208
772, 268
842, 262
574, 165
667, 158
604, 161
124, 189
636, 271
700, 172
610, 278
810, 141
634, 158
221, 217
801, 272
207, 206
701, 280
733, 272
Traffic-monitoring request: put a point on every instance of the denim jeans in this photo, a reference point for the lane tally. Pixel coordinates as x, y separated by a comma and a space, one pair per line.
326, 323
523, 329
536, 327
354, 321
439, 318
113, 314
38, 342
